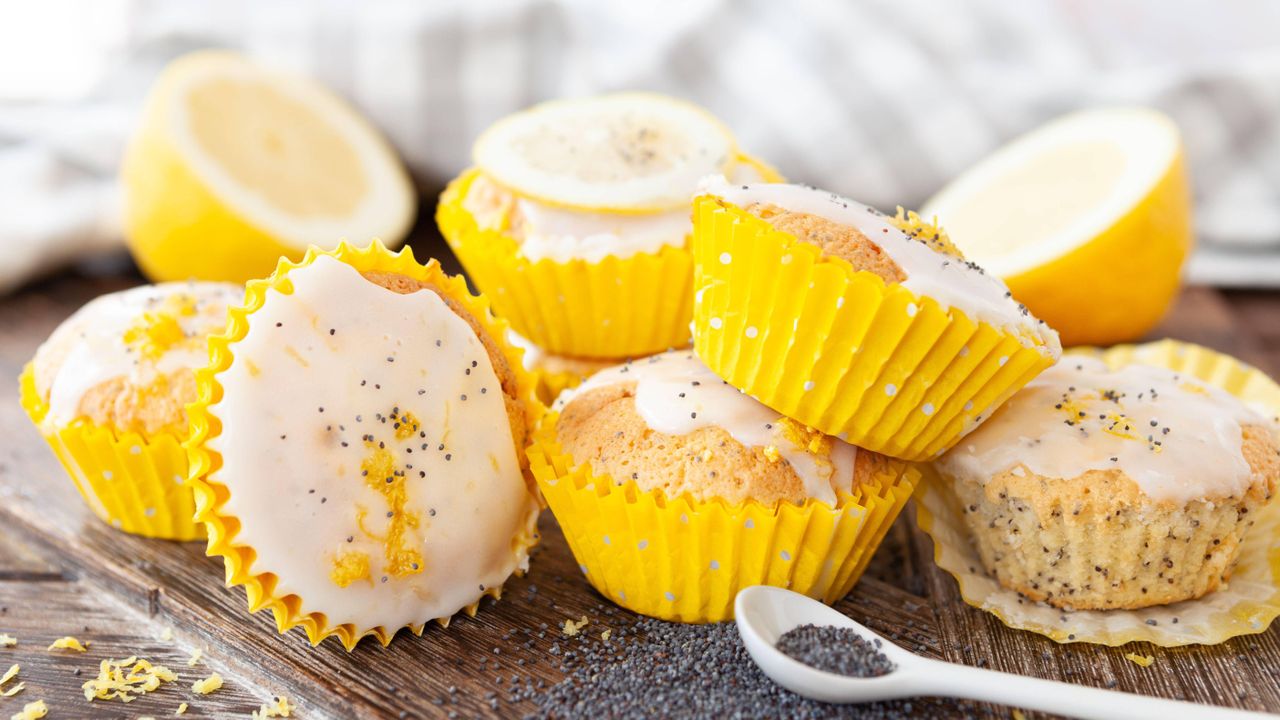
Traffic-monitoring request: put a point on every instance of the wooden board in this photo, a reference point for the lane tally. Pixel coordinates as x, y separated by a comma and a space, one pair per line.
62, 572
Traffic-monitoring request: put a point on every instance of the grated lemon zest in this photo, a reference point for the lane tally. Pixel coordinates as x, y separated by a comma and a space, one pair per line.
1143, 660
31, 711
13, 670
14, 690
195, 657
7, 640
207, 685
126, 679
181, 709
281, 708
167, 635
605, 635
1017, 714
68, 643
910, 222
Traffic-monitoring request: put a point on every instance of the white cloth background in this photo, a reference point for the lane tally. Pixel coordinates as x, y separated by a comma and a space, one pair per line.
882, 100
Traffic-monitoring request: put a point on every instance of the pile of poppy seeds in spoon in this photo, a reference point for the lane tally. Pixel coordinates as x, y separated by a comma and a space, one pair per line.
835, 650
670, 670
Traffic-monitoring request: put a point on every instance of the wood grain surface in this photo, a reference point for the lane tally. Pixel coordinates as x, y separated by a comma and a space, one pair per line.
63, 572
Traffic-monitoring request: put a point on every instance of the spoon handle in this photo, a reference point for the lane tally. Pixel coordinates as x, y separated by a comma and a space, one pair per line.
1064, 698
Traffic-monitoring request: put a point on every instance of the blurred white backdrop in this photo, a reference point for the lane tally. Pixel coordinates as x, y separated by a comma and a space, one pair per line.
882, 100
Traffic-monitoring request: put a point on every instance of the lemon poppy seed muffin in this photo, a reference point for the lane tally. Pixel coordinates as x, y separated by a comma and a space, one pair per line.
1100, 488
127, 360
671, 425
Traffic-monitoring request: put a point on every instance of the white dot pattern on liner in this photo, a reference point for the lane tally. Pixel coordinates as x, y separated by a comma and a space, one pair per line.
1004, 360
725, 258
684, 518
839, 302
912, 309
642, 544
715, 564
136, 450
968, 405
179, 479
964, 351
808, 385
927, 409
606, 539
670, 596
785, 260
752, 331
150, 512
622, 595
716, 323
890, 389
106, 474
785, 555
749, 523
583, 568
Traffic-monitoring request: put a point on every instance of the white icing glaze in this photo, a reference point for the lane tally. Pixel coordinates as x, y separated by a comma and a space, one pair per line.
89, 348
953, 283
295, 472
677, 394
562, 234
1041, 429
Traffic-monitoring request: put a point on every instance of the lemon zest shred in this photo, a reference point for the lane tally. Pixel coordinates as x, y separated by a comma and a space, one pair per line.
195, 657
14, 690
167, 635
68, 643
572, 628
126, 679
910, 222
207, 685
31, 711
181, 709
1143, 660
7, 640
8, 675
605, 635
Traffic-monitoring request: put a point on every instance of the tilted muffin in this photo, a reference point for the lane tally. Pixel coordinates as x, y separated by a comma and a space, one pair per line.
363, 426
675, 490
1099, 487
109, 389
869, 327
575, 220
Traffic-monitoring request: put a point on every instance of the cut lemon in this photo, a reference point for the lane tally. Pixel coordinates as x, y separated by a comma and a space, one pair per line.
624, 153
234, 166
1087, 219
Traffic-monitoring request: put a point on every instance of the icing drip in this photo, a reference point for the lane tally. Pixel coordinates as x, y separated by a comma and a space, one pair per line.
952, 282
1176, 437
676, 394
366, 446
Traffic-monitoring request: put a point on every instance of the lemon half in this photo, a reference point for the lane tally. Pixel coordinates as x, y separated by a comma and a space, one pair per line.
233, 166
621, 153
1087, 219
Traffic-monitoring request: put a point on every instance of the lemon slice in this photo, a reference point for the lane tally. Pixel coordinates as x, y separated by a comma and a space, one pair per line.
1087, 219
234, 166
626, 152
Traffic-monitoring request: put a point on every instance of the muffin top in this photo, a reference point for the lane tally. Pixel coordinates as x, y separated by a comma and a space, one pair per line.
370, 441
562, 234
902, 250
1175, 438
535, 359
127, 360
670, 424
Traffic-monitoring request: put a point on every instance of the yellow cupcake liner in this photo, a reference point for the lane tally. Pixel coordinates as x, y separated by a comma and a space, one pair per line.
838, 349
1246, 605
134, 482
616, 307
684, 560
211, 495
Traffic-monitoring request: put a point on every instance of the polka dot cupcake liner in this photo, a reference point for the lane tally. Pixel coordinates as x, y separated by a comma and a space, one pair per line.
291, 610
133, 482
838, 349
684, 560
618, 307
1247, 604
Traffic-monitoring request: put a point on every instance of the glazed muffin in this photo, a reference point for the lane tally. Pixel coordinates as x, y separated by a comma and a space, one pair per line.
364, 431
1101, 487
675, 490
109, 390
865, 326
575, 204
672, 426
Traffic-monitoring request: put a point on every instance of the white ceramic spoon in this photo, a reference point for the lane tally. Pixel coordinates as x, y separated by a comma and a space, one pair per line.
764, 613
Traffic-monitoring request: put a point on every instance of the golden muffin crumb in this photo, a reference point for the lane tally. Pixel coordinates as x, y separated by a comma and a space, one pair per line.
151, 408
602, 427
1098, 542
406, 285
842, 241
